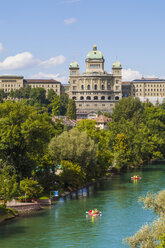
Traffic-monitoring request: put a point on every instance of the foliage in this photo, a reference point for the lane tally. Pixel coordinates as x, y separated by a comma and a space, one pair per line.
38, 95
72, 175
8, 183
75, 147
150, 235
24, 135
128, 108
55, 105
30, 188
71, 110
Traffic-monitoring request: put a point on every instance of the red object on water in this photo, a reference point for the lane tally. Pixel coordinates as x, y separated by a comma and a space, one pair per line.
94, 214
135, 178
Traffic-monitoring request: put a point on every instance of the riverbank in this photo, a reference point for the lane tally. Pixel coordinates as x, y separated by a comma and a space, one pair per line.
7, 214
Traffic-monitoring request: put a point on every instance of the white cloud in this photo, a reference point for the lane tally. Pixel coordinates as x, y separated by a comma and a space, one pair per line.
59, 77
19, 61
1, 47
54, 61
129, 75
70, 21
26, 59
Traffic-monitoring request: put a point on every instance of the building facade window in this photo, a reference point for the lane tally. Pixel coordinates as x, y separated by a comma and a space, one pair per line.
116, 98
109, 97
88, 87
88, 98
95, 98
95, 86
81, 98
103, 98
102, 87
82, 87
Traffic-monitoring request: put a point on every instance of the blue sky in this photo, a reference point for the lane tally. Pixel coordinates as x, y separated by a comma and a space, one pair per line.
40, 38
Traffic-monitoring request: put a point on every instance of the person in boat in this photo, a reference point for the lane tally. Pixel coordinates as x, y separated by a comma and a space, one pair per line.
96, 211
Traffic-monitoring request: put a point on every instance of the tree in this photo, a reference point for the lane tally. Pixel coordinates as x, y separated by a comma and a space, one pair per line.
38, 95
51, 94
55, 105
72, 175
71, 110
64, 99
128, 108
24, 136
8, 184
150, 235
30, 188
75, 147
2, 95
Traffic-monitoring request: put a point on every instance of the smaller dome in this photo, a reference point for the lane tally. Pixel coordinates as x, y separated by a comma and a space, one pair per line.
95, 54
117, 64
74, 64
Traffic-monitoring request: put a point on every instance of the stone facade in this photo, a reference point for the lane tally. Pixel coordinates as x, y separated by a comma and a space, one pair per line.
152, 89
47, 84
8, 83
95, 89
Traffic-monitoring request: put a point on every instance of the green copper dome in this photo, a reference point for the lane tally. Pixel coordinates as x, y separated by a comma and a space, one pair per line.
116, 65
94, 54
74, 64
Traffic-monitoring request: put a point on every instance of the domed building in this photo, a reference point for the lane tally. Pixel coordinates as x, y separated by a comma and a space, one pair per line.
95, 89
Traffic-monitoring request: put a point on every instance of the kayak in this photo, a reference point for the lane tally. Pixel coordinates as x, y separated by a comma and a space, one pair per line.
94, 214
135, 178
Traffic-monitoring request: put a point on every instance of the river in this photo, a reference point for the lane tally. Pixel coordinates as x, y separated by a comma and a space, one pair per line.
66, 224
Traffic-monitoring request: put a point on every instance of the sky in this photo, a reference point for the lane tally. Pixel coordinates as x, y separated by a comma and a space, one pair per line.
40, 38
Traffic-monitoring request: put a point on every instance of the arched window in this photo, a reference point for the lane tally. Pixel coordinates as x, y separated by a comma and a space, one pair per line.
109, 97
74, 97
81, 98
82, 87
88, 98
116, 98
102, 87
103, 98
95, 86
88, 87
95, 98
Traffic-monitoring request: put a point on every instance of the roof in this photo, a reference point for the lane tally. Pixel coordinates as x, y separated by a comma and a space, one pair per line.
149, 79
117, 64
74, 64
10, 76
65, 121
95, 54
48, 81
102, 119
126, 83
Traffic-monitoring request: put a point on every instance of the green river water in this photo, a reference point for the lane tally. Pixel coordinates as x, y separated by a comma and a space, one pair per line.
66, 224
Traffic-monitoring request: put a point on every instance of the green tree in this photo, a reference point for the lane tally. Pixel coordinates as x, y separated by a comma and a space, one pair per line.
72, 175
51, 95
71, 110
38, 95
150, 235
30, 188
55, 105
128, 108
24, 136
2, 95
75, 147
64, 99
8, 184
